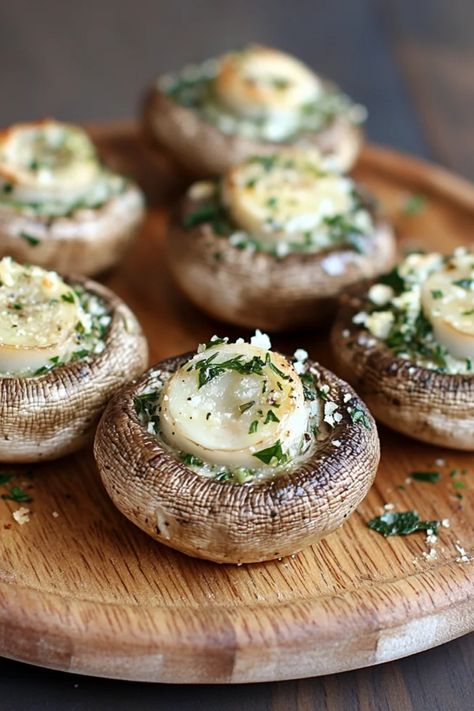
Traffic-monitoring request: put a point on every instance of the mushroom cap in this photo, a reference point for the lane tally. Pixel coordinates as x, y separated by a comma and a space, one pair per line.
88, 241
258, 290
232, 523
425, 404
204, 150
47, 416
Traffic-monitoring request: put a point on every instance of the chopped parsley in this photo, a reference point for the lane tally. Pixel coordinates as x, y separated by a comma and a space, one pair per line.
209, 369
69, 297
145, 405
436, 293
464, 283
414, 205
359, 416
191, 461
270, 453
431, 477
394, 280
246, 406
271, 417
5, 478
16, 493
253, 427
392, 523
33, 241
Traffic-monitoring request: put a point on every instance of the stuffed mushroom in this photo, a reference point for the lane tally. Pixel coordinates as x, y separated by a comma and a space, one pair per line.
247, 102
236, 453
59, 206
275, 240
66, 345
406, 343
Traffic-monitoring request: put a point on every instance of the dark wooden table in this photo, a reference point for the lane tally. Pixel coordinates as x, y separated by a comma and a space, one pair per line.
412, 63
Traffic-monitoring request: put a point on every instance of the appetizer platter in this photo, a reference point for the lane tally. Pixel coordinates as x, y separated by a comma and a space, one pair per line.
82, 588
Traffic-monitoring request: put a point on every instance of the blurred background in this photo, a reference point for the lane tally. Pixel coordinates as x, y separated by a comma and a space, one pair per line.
411, 62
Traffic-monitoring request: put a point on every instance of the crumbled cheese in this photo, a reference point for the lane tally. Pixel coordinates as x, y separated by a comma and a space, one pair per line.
22, 515
380, 294
432, 554
301, 355
336, 443
299, 367
379, 323
202, 190
389, 507
261, 340
445, 523
347, 398
360, 318
55, 514
330, 409
346, 333
333, 265
463, 556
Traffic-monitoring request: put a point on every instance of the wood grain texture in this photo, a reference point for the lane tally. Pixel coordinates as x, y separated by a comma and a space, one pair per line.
86, 591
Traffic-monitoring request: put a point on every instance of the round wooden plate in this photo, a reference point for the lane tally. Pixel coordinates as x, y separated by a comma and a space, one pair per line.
82, 589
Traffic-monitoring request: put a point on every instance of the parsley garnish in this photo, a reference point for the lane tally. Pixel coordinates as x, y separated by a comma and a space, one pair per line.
436, 293
209, 369
463, 283
271, 417
414, 205
5, 478
69, 297
431, 477
33, 241
270, 453
246, 406
394, 280
145, 404
267, 162
16, 493
191, 460
242, 475
392, 523
272, 366
359, 416
253, 427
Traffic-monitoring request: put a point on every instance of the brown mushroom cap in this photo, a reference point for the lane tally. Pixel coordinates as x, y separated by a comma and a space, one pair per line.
258, 290
232, 523
88, 241
425, 404
47, 416
204, 150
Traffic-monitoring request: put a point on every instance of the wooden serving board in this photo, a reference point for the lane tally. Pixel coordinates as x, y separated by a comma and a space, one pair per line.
82, 589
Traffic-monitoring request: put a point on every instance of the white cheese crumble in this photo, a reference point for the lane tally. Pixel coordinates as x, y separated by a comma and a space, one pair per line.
331, 416
301, 355
380, 294
22, 515
261, 340
379, 323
